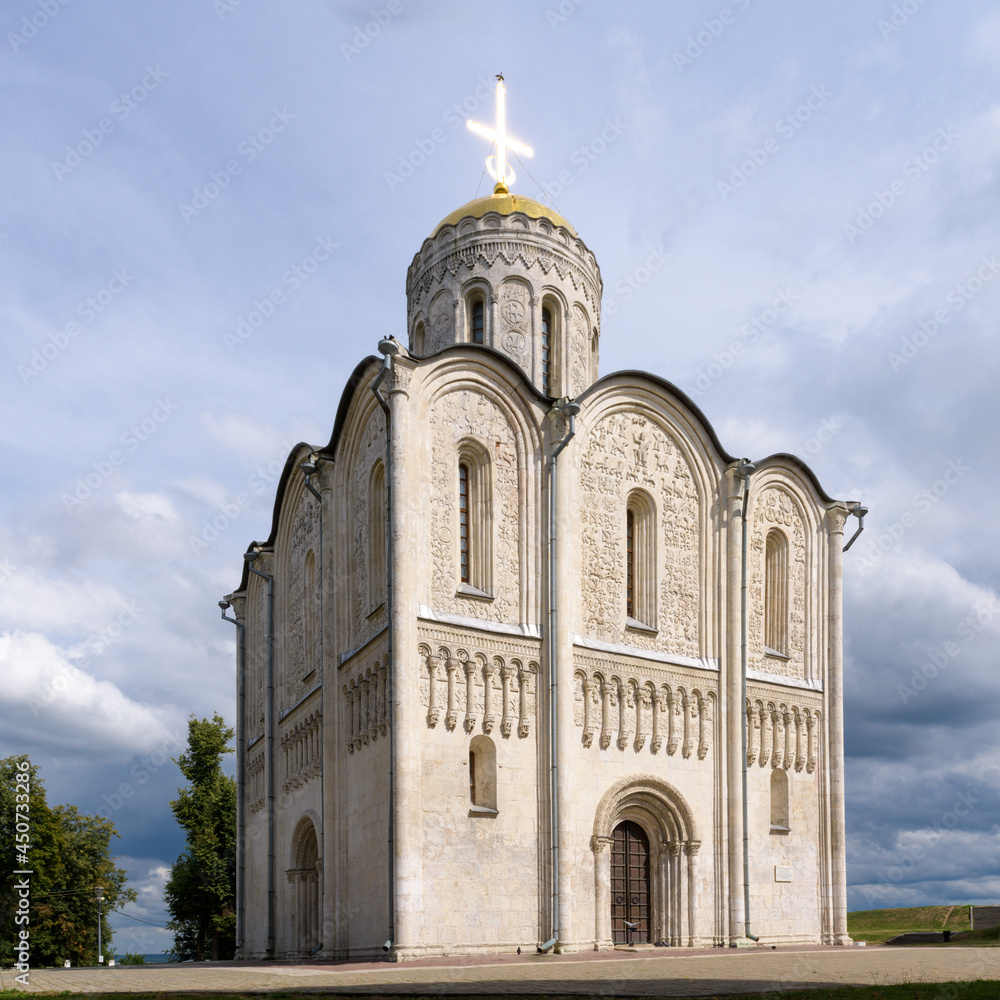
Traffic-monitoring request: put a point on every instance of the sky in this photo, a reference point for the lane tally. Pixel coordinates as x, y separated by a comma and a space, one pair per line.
794, 207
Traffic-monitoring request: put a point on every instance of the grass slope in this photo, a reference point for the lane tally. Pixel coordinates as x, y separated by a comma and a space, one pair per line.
880, 925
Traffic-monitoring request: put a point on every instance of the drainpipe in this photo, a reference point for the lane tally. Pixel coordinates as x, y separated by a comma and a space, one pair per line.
745, 471
251, 557
241, 662
859, 512
568, 408
389, 349
309, 469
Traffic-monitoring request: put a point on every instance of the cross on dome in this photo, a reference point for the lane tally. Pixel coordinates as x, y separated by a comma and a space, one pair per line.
497, 165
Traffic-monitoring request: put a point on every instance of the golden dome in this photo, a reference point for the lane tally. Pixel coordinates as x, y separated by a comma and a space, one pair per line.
503, 203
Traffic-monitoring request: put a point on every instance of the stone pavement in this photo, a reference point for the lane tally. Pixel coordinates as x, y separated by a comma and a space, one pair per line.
621, 974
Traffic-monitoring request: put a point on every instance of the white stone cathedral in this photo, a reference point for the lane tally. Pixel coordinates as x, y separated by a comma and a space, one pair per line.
491, 655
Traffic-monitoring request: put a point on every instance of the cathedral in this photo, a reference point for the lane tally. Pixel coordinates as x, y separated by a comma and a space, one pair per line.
528, 660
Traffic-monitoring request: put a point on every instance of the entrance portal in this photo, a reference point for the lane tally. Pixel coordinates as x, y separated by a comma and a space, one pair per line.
630, 884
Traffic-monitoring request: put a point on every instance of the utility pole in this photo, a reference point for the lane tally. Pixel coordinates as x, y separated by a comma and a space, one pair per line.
100, 957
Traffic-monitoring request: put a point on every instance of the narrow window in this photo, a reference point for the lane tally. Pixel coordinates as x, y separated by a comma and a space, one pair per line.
779, 801
630, 563
546, 347
419, 339
463, 520
309, 602
483, 776
478, 310
776, 593
640, 561
376, 537
475, 521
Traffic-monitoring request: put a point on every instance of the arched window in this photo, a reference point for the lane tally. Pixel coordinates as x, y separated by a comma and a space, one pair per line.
477, 323
483, 776
475, 521
419, 339
377, 515
594, 357
546, 349
779, 801
463, 521
310, 599
776, 593
640, 561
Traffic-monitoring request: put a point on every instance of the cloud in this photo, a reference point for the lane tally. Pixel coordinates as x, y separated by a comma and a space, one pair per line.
50, 701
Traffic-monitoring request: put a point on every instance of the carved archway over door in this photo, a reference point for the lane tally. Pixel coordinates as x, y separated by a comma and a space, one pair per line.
305, 881
645, 832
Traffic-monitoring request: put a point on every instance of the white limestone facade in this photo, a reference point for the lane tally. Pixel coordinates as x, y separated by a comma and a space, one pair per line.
497, 701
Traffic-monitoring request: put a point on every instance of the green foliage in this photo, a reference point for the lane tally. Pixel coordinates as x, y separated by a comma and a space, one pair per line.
130, 958
69, 856
201, 891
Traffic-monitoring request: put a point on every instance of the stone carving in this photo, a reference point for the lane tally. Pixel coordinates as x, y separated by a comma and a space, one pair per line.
579, 351
774, 507
632, 710
782, 735
514, 321
255, 792
440, 327
302, 751
467, 415
477, 687
627, 451
365, 705
370, 450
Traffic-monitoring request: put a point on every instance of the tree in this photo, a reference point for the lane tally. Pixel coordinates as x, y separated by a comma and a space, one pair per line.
68, 856
201, 891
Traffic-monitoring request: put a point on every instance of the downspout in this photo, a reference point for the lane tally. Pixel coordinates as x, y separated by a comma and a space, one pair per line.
389, 349
570, 409
241, 654
309, 469
251, 557
745, 470
859, 512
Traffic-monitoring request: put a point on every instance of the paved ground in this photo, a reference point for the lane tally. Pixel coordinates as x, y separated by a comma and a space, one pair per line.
678, 974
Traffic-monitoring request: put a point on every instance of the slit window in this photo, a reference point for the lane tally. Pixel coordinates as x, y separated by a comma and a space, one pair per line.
640, 560
478, 320
546, 348
463, 521
776, 593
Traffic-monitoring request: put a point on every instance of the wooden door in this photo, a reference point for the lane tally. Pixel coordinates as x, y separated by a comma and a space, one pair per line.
630, 884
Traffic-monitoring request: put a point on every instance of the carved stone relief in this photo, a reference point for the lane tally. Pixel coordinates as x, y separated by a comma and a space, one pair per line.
514, 312
625, 451
774, 507
483, 692
457, 416
579, 351
632, 711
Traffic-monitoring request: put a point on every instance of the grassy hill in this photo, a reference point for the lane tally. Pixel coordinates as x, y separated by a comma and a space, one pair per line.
880, 925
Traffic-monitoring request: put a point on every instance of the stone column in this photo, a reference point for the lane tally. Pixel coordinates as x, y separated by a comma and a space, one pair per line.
690, 852
470, 695
679, 906
731, 704
489, 718
451, 718
506, 720
835, 518
433, 713
602, 891
405, 516
662, 895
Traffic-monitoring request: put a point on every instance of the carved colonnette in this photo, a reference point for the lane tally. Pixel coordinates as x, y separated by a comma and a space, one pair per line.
301, 750
784, 728
478, 681
629, 702
255, 793
364, 678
